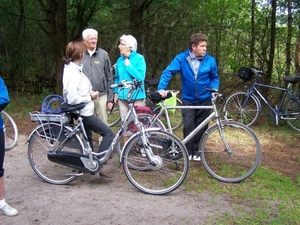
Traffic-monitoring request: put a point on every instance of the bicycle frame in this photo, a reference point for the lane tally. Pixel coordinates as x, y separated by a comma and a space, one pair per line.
213, 115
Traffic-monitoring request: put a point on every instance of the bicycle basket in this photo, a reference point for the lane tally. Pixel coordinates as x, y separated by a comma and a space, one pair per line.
51, 104
245, 74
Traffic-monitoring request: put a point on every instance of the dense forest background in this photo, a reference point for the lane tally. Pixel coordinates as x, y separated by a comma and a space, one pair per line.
34, 33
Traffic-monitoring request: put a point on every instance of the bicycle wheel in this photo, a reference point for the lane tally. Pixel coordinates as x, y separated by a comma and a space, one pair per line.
113, 116
169, 167
175, 117
148, 121
10, 130
236, 109
293, 111
46, 137
236, 161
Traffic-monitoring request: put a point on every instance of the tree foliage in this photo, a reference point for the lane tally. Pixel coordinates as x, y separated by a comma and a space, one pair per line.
34, 34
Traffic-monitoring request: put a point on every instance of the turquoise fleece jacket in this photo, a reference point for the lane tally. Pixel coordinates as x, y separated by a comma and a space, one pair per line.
193, 85
4, 99
135, 70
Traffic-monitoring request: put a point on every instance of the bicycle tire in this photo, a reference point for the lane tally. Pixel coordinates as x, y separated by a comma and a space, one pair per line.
241, 162
176, 119
38, 146
113, 116
170, 156
293, 111
147, 121
234, 108
10, 130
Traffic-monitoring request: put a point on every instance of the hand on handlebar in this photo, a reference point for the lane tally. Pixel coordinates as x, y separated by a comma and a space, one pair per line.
163, 93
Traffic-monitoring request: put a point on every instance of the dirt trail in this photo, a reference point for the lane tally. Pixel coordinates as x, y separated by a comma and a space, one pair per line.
92, 200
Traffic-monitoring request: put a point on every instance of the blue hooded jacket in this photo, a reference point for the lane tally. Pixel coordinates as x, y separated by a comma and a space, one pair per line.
4, 99
193, 85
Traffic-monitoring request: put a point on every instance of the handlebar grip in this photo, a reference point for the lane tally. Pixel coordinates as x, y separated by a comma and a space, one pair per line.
212, 90
116, 85
256, 68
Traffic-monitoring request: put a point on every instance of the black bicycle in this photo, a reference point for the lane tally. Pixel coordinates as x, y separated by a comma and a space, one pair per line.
244, 106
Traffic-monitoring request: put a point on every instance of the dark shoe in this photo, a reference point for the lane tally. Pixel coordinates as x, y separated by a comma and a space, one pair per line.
103, 173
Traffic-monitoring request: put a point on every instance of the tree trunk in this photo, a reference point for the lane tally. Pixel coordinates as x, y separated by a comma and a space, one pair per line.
297, 53
253, 8
56, 29
272, 41
289, 38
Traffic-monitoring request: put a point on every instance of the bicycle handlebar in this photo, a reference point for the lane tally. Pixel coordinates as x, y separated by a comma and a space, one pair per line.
131, 85
258, 71
127, 84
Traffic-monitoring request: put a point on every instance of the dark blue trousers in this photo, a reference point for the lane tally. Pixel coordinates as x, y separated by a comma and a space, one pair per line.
191, 119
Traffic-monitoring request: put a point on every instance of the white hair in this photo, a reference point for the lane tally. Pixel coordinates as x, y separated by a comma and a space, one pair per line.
130, 41
88, 32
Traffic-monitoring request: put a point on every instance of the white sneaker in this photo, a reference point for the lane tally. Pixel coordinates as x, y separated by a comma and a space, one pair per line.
143, 153
9, 211
190, 157
196, 158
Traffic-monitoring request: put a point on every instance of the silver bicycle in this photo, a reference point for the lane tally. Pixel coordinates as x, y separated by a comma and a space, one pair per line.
59, 151
230, 151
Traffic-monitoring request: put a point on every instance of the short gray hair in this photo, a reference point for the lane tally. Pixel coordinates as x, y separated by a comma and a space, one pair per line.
87, 32
130, 41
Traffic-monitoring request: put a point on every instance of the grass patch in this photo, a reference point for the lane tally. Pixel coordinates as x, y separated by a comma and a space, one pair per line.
20, 106
273, 198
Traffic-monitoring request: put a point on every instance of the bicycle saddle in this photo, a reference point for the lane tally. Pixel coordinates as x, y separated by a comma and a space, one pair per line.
292, 79
65, 107
152, 83
156, 97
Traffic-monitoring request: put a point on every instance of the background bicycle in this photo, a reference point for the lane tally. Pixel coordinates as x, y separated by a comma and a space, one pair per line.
10, 131
175, 121
245, 106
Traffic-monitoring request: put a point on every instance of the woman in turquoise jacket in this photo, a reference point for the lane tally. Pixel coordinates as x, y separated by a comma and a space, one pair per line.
130, 65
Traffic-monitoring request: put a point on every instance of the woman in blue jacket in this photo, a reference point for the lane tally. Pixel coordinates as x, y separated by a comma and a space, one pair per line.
130, 65
4, 100
198, 70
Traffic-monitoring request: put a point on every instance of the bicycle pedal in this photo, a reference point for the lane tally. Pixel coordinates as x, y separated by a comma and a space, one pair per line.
75, 174
288, 118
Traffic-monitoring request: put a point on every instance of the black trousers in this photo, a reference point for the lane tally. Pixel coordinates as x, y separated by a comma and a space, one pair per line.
2, 152
191, 119
93, 123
